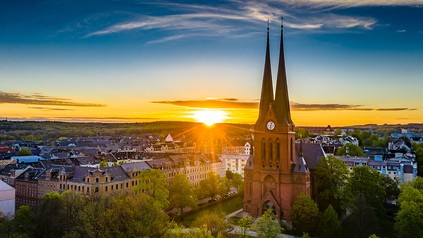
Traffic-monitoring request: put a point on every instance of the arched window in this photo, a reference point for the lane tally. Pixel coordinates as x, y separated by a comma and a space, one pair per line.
263, 152
292, 150
278, 152
270, 161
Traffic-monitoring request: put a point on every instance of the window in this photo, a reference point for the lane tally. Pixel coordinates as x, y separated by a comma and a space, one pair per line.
96, 180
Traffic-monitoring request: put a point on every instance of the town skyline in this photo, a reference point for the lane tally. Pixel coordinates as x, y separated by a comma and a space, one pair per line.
348, 63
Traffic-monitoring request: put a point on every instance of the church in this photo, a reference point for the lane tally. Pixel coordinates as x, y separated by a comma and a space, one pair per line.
278, 169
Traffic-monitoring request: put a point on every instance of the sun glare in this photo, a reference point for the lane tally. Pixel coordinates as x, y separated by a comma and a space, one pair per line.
209, 117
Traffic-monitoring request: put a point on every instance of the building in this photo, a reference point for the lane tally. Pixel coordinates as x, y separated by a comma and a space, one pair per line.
235, 157
275, 175
7, 200
400, 169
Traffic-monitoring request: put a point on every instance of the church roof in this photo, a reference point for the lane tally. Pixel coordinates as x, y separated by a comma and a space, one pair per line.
282, 109
266, 99
312, 152
300, 166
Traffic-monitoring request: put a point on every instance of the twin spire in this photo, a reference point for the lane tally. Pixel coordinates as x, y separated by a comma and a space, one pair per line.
280, 104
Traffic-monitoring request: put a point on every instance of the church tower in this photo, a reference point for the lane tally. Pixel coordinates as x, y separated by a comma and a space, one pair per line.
274, 175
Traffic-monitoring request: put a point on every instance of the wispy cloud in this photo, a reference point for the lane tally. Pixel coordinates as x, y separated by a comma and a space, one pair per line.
40, 99
51, 108
234, 17
401, 31
233, 103
350, 3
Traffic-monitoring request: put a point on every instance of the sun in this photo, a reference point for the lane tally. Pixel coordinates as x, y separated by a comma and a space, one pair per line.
209, 116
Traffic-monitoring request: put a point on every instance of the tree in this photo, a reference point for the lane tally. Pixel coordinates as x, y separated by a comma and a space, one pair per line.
179, 231
211, 221
24, 221
181, 193
367, 184
409, 221
331, 182
104, 163
350, 149
245, 223
267, 226
73, 205
225, 186
50, 216
363, 217
120, 215
330, 226
211, 185
304, 214
238, 182
391, 187
301, 133
6, 226
229, 174
24, 151
153, 183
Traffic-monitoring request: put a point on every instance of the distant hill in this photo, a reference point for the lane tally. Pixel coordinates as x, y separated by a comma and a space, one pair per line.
51, 130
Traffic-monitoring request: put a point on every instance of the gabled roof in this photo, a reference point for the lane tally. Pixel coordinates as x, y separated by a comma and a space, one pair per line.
312, 153
138, 166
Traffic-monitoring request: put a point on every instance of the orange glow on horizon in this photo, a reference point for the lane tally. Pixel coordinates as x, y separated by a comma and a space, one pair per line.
209, 116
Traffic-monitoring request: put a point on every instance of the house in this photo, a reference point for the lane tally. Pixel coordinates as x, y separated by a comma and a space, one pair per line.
7, 200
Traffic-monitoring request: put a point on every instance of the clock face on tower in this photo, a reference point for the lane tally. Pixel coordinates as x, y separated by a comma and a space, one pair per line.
270, 125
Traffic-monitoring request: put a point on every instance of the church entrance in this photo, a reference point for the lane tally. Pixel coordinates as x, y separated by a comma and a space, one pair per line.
269, 205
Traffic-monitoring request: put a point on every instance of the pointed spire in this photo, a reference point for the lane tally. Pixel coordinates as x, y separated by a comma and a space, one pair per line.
266, 98
282, 109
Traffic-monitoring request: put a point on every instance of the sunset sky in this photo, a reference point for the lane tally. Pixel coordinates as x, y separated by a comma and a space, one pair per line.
348, 61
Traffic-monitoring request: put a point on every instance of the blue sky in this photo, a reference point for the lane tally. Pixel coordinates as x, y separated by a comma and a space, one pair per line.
355, 61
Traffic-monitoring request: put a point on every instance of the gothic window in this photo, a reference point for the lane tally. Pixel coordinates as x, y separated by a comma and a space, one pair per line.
292, 150
270, 159
278, 152
269, 205
263, 152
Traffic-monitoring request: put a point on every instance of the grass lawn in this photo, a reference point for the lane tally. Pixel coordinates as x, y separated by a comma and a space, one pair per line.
226, 206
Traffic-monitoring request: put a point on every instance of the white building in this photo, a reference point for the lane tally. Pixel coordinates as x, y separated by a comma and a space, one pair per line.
235, 157
7, 200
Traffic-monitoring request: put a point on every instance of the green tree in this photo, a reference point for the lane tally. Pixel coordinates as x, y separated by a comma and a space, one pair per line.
50, 216
229, 174
153, 183
238, 182
350, 149
409, 221
391, 187
73, 205
330, 226
301, 133
211, 185
179, 231
267, 226
331, 182
225, 186
24, 151
304, 214
245, 223
24, 221
211, 221
363, 217
181, 193
367, 183
120, 215
104, 163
